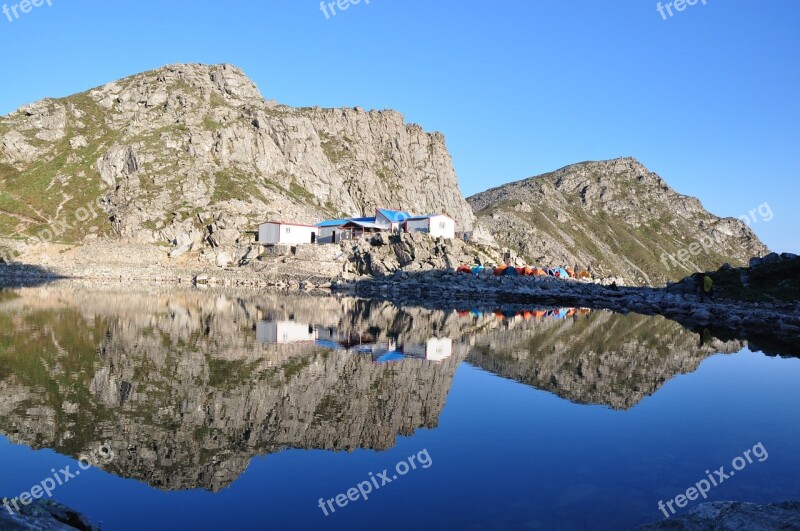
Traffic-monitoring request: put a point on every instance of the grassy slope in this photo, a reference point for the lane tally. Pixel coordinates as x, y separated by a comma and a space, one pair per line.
29, 197
579, 236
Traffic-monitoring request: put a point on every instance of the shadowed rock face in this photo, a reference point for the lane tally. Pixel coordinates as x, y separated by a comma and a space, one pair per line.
603, 358
616, 215
177, 385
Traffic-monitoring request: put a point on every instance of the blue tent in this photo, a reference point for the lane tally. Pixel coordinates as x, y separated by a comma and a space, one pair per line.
477, 270
563, 272
510, 271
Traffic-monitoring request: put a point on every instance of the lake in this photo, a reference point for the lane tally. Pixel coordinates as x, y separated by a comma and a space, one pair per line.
190, 409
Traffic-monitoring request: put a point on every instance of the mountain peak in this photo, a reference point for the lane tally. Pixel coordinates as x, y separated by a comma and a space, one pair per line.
177, 152
615, 214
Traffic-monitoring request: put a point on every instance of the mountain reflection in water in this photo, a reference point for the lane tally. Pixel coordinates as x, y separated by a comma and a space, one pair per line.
188, 386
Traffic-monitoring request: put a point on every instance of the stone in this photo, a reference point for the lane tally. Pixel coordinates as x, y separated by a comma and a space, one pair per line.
223, 259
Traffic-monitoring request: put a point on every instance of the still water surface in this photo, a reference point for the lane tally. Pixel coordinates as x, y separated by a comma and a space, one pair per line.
212, 410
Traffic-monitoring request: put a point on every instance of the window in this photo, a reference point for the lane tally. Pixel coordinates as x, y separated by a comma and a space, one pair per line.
288, 230
441, 224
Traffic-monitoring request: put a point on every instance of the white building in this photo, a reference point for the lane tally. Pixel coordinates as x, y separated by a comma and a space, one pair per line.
281, 232
284, 332
335, 230
439, 349
437, 225
435, 349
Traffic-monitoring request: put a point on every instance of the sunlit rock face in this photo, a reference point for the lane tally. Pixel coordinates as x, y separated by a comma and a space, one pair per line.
192, 151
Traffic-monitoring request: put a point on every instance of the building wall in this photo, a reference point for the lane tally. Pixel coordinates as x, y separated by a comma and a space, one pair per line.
436, 226
439, 349
268, 233
329, 235
284, 332
417, 225
442, 226
271, 233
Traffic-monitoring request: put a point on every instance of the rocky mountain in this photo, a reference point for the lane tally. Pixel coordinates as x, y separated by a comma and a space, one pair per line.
616, 215
193, 157
192, 152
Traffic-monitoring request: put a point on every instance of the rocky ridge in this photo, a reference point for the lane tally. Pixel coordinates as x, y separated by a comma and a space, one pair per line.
194, 157
616, 215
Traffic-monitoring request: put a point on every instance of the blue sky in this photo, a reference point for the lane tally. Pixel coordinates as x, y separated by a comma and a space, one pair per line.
707, 98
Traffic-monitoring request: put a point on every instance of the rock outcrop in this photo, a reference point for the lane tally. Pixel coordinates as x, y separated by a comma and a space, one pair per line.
193, 156
617, 216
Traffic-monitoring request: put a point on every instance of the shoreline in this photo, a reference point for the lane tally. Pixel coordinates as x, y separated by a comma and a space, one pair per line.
773, 327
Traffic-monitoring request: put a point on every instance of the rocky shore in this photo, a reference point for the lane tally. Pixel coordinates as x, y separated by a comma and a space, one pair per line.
415, 270
772, 326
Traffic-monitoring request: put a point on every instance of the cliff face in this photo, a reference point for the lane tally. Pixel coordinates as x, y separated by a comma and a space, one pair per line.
186, 150
615, 215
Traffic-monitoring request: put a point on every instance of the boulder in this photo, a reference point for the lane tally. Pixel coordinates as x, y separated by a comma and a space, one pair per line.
224, 259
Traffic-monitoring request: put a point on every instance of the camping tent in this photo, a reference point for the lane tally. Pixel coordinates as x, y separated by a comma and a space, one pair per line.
561, 273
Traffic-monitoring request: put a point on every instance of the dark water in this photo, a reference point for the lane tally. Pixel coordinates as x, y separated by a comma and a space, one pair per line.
209, 410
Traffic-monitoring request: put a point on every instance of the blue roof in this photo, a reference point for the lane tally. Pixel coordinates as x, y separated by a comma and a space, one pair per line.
395, 216
331, 223
340, 222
